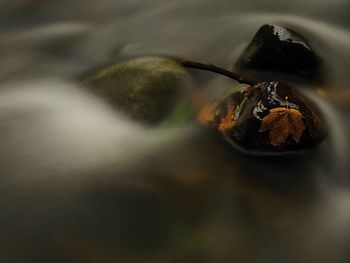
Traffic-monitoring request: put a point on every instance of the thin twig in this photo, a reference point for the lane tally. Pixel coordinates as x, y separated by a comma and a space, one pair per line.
212, 68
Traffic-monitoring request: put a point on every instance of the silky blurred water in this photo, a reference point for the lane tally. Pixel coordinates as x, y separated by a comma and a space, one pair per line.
80, 182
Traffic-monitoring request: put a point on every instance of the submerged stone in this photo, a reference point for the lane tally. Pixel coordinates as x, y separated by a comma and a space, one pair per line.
275, 48
146, 89
240, 115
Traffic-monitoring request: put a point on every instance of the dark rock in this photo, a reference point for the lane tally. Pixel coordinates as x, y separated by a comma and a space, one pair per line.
254, 103
147, 89
280, 49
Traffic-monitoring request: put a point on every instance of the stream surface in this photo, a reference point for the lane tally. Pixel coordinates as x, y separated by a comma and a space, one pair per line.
80, 182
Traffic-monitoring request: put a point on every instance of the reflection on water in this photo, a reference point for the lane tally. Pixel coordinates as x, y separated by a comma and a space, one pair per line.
81, 183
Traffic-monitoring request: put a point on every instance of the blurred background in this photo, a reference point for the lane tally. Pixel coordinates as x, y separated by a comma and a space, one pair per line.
81, 182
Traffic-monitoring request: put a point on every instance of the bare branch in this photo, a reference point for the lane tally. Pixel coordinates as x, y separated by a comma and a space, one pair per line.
212, 68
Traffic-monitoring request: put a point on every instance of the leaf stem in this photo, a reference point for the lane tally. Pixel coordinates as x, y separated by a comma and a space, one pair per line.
287, 102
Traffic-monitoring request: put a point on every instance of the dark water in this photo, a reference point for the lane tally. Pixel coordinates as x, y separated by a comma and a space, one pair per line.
81, 183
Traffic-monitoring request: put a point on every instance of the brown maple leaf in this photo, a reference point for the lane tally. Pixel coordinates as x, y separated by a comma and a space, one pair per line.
282, 123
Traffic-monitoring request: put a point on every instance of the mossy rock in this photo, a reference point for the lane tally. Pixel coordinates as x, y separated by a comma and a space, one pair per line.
147, 89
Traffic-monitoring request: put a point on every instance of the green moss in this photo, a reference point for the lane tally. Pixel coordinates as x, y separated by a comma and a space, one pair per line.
146, 89
184, 113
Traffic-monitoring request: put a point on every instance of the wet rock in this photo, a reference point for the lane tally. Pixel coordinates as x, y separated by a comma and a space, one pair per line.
146, 89
280, 49
239, 117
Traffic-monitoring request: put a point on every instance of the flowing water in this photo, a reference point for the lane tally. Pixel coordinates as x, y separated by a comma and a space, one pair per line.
79, 182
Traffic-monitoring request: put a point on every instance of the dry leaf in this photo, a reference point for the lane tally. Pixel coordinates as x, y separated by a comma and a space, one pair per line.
227, 120
206, 114
282, 123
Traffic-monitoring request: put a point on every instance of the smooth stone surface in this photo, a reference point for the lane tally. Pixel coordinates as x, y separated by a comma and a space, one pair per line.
146, 89
280, 49
254, 103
